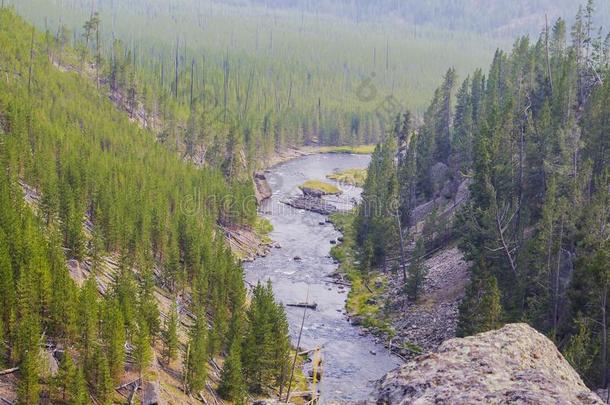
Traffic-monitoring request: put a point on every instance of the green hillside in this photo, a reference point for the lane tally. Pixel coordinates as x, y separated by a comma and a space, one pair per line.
137, 226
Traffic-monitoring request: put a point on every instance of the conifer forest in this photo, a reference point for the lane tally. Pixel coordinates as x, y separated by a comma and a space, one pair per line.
174, 170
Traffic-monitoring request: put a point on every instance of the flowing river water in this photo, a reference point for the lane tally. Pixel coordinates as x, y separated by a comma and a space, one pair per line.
352, 360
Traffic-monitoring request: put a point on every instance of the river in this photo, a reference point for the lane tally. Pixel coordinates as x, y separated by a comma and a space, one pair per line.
352, 360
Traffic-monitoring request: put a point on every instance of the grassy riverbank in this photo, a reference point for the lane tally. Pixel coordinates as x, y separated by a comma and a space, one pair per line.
353, 177
320, 187
357, 150
364, 299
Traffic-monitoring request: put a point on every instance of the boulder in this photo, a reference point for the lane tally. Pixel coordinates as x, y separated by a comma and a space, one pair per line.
262, 190
515, 364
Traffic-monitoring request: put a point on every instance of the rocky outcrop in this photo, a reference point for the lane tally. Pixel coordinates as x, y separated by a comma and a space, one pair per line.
314, 204
512, 365
262, 190
423, 325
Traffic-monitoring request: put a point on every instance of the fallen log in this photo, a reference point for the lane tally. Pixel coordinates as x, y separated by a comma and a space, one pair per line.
133, 393
313, 305
6, 401
343, 283
120, 387
9, 371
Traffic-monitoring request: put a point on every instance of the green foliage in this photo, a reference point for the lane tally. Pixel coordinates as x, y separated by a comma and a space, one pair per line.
28, 389
196, 359
320, 186
113, 337
376, 228
245, 83
107, 190
480, 310
417, 271
170, 333
353, 177
142, 352
266, 345
232, 386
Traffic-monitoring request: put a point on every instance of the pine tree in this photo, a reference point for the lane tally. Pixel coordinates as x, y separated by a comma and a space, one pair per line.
281, 349
170, 333
258, 344
78, 388
113, 334
88, 316
480, 309
232, 385
142, 352
104, 386
197, 356
147, 303
28, 389
63, 381
7, 286
417, 271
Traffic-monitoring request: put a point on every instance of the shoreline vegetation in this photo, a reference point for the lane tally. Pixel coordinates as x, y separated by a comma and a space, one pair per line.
362, 306
352, 177
319, 188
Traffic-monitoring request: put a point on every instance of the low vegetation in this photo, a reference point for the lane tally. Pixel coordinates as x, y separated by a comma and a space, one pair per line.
353, 177
363, 298
320, 187
355, 150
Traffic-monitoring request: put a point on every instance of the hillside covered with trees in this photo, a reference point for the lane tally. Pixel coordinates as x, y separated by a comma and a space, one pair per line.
529, 142
213, 79
111, 257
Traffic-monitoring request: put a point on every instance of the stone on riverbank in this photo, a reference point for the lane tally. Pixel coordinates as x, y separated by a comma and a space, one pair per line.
515, 364
313, 204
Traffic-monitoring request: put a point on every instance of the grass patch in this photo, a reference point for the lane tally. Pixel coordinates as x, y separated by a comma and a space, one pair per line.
263, 227
353, 177
364, 297
322, 187
358, 150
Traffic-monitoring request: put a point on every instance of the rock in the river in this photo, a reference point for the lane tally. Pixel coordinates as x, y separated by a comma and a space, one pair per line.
515, 364
313, 204
262, 190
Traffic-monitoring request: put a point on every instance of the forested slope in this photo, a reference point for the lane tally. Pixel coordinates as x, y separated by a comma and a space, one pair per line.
139, 223
221, 79
530, 140
492, 16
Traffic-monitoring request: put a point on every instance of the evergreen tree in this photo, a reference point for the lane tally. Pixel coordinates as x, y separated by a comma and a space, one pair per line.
88, 316
28, 389
196, 360
104, 386
417, 271
113, 335
63, 381
170, 333
232, 385
480, 309
142, 352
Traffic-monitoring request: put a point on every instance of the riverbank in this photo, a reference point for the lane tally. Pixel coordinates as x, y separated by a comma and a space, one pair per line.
248, 243
380, 305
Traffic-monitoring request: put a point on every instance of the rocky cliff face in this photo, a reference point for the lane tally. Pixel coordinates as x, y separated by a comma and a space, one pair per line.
512, 365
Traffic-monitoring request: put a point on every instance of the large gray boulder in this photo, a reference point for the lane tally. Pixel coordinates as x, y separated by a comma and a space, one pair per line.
512, 365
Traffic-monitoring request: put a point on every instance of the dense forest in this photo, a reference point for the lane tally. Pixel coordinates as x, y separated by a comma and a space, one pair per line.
212, 79
85, 193
496, 17
529, 142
